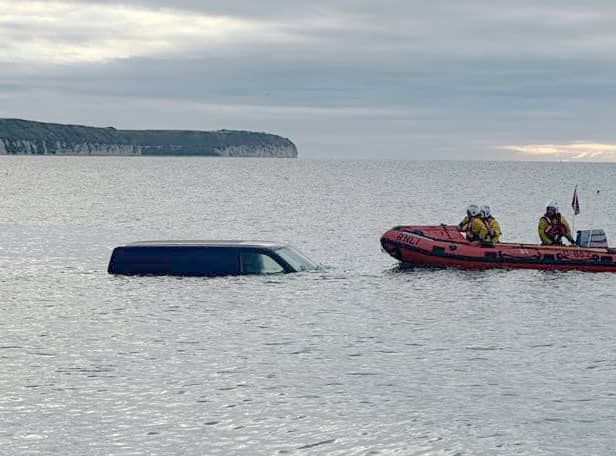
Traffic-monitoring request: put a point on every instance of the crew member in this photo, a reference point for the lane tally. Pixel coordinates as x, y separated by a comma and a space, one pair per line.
492, 225
472, 210
473, 225
553, 226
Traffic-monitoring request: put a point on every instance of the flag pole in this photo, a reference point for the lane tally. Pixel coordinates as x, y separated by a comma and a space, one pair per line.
575, 206
573, 209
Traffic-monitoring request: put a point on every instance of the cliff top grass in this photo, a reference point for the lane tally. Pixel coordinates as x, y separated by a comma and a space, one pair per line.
27, 130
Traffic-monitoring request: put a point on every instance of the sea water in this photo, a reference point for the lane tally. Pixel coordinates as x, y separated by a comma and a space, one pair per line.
358, 358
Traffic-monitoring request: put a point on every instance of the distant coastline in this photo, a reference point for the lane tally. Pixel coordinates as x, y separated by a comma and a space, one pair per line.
26, 137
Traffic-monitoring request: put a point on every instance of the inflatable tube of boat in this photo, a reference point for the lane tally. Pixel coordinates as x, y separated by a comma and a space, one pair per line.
444, 245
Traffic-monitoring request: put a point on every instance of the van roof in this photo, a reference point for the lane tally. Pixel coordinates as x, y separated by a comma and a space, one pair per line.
216, 243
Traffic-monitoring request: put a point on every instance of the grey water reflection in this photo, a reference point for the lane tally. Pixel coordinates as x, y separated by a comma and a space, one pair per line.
360, 357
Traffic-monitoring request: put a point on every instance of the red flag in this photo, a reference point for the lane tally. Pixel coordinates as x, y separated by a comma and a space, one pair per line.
575, 203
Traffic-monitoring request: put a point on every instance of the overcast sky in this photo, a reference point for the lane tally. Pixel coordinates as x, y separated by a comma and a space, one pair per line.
472, 79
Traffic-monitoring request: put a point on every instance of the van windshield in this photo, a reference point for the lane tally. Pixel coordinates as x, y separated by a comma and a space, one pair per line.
258, 263
295, 259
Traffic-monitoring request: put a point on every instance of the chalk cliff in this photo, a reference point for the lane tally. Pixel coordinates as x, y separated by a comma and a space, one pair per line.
40, 138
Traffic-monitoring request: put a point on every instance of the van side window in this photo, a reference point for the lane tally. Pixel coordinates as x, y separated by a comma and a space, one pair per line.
176, 260
258, 263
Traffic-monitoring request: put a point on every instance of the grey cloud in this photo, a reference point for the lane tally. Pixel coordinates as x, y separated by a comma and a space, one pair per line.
411, 8
477, 20
281, 80
436, 109
363, 30
357, 78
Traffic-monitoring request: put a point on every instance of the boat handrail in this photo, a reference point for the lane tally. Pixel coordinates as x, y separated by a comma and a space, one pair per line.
557, 248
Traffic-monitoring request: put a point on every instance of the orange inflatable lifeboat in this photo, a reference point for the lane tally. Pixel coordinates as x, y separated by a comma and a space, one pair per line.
445, 245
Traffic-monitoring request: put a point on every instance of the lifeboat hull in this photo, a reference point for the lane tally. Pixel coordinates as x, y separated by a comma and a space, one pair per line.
445, 246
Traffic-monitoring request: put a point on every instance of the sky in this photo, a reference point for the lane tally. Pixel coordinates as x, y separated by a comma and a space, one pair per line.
394, 79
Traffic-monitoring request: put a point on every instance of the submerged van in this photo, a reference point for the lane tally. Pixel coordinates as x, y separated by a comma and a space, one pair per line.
207, 258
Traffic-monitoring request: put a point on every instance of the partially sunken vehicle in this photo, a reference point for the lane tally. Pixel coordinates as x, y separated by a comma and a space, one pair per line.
207, 258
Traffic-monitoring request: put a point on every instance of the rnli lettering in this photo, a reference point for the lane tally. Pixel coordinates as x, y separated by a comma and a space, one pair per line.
407, 239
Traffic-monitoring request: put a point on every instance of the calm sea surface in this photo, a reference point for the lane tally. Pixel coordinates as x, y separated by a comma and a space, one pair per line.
359, 358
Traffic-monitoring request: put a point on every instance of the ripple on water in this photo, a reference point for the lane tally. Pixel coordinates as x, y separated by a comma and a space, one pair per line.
361, 357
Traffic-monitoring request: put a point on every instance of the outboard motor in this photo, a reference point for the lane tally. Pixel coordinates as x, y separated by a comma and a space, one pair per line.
591, 238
